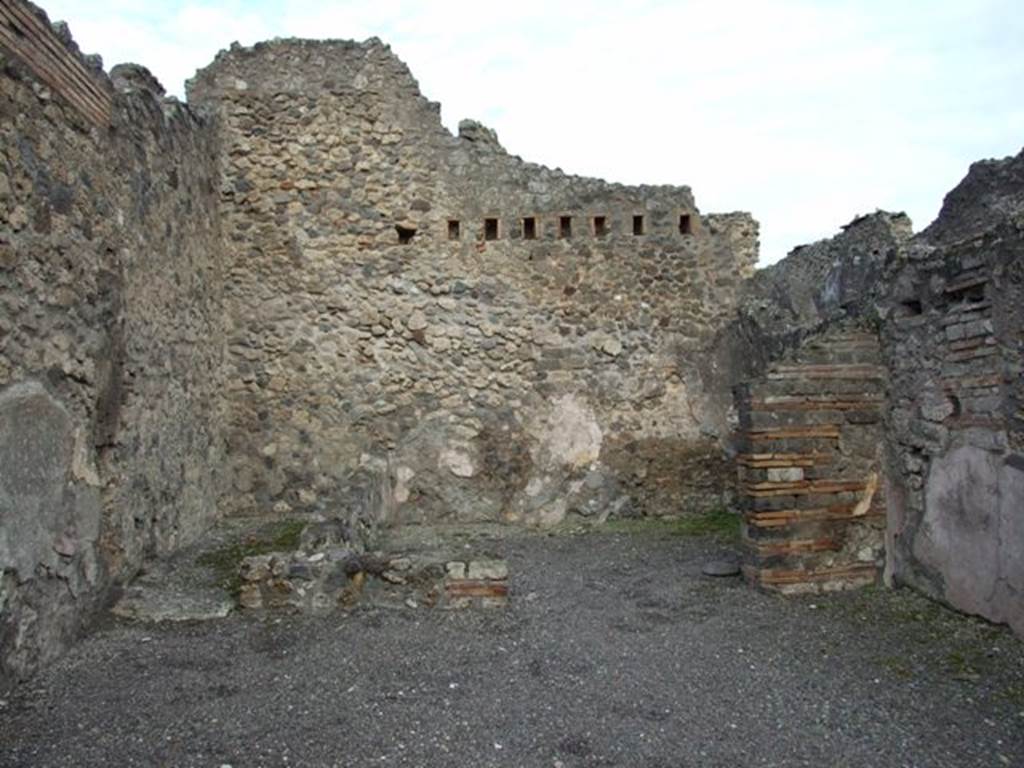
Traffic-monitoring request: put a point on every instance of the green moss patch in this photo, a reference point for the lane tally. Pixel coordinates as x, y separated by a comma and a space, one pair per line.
279, 536
721, 523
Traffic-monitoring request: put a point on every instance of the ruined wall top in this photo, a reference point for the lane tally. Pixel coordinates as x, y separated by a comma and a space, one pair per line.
378, 87
293, 65
827, 278
53, 56
991, 194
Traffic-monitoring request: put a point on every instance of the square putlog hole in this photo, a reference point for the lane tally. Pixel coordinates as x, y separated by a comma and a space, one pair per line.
600, 226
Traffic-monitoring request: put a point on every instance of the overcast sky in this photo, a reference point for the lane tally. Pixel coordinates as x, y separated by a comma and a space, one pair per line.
804, 112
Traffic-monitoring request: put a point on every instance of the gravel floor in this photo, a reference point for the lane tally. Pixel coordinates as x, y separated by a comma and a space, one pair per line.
614, 651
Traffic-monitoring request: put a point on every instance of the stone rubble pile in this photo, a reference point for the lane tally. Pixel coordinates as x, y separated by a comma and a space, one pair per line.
337, 576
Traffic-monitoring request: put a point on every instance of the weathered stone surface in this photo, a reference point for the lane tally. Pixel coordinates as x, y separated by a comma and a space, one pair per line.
815, 285
389, 300
307, 296
419, 572
971, 532
721, 568
110, 361
35, 461
955, 428
948, 430
989, 194
153, 603
493, 570
809, 473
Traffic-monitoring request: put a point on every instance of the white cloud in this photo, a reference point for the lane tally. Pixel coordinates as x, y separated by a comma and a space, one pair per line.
805, 113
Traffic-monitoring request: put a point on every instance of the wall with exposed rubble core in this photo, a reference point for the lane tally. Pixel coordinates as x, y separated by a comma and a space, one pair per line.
816, 286
494, 339
954, 337
945, 310
110, 335
314, 298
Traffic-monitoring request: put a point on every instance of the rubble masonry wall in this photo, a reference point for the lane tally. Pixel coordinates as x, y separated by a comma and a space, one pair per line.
391, 312
954, 341
110, 339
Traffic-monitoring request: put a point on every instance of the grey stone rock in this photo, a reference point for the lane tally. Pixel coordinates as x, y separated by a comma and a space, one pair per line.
720, 568
156, 603
494, 570
301, 571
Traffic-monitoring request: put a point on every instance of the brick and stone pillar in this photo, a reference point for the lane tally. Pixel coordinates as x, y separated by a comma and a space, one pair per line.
810, 464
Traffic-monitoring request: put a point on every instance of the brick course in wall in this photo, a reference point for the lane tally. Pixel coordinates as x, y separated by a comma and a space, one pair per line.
53, 57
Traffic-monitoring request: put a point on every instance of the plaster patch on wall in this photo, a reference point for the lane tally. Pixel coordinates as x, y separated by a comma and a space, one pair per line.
83, 465
870, 486
536, 486
402, 477
457, 462
568, 434
551, 513
673, 414
35, 454
970, 529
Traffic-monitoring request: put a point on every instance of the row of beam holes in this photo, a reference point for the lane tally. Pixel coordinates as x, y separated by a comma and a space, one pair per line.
492, 229
600, 227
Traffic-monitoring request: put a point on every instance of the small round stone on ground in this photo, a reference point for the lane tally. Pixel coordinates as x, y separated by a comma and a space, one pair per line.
721, 568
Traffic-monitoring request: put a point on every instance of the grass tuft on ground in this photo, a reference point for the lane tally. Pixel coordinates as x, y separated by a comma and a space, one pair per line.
721, 523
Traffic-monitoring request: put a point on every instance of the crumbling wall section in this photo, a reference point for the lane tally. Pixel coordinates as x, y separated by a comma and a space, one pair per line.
947, 306
955, 346
26, 32
110, 345
815, 287
498, 339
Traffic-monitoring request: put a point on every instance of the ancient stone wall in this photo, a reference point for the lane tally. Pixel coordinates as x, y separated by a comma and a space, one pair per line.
803, 361
26, 32
110, 342
955, 348
490, 339
816, 286
948, 308
314, 298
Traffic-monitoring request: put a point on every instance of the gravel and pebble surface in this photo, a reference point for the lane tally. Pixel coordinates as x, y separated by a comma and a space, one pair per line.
615, 650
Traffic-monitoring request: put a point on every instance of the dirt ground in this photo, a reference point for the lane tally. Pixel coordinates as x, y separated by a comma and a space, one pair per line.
614, 650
